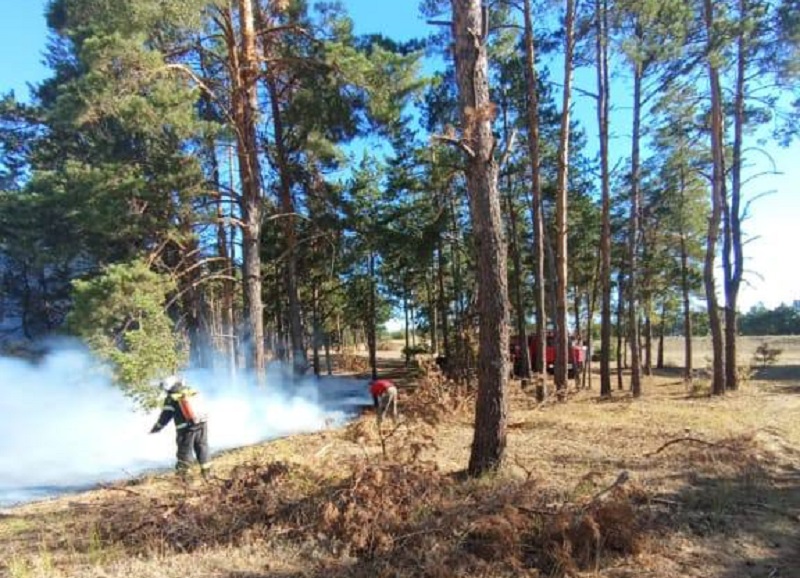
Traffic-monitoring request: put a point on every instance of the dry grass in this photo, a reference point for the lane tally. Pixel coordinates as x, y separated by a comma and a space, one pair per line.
673, 484
674, 355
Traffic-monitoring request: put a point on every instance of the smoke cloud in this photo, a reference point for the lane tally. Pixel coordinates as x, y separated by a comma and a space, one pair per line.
64, 426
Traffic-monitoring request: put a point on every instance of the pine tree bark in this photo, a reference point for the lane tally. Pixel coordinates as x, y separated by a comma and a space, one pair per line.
299, 357
685, 291
224, 264
648, 338
717, 196
406, 326
620, 326
661, 331
633, 232
371, 329
733, 264
524, 368
603, 89
245, 65
442, 299
532, 103
562, 331
434, 311
477, 111
315, 329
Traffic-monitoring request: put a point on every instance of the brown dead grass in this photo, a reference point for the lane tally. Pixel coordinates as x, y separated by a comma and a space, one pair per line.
673, 484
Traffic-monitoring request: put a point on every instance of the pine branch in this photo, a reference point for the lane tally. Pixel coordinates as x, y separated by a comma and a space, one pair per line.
456, 142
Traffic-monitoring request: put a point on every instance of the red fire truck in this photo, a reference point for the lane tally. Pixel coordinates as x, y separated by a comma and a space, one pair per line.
575, 360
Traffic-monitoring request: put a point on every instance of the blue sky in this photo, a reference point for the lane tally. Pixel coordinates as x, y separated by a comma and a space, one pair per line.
771, 257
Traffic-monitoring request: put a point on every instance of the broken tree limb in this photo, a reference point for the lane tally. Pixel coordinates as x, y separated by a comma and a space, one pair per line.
679, 441
456, 142
622, 478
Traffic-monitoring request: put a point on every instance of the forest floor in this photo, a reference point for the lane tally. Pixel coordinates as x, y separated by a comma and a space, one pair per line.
675, 484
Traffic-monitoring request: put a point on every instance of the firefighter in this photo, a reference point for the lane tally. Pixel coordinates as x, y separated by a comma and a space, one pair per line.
384, 396
184, 405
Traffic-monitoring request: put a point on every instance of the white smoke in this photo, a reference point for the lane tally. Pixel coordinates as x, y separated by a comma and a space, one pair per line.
64, 426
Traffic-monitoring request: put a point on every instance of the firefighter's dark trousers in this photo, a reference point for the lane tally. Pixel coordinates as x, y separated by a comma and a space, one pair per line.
192, 440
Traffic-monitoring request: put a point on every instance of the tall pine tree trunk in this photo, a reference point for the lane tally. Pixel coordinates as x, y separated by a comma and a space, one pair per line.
477, 111
733, 264
648, 337
442, 299
524, 367
245, 114
661, 331
562, 331
537, 216
620, 326
603, 89
717, 196
315, 329
371, 329
431, 294
633, 234
299, 358
407, 326
685, 291
223, 265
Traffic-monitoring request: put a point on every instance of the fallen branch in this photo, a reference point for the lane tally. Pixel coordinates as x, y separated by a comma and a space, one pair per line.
681, 440
383, 437
665, 501
622, 478
120, 489
404, 537
537, 511
755, 507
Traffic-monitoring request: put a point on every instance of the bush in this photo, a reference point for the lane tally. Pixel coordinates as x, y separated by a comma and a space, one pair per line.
120, 315
766, 354
596, 351
413, 350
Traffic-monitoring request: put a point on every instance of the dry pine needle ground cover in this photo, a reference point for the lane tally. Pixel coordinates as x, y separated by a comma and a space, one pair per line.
674, 484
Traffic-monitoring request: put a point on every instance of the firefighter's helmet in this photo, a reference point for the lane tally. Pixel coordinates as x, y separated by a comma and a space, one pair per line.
171, 384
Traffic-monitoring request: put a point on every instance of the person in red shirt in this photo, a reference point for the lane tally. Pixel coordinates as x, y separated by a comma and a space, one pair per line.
384, 395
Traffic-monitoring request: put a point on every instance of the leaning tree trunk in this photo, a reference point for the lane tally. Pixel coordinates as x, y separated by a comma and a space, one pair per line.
717, 196
562, 331
537, 217
603, 89
470, 27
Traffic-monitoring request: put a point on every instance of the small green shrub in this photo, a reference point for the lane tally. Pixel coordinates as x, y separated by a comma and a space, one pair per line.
414, 350
766, 355
121, 316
